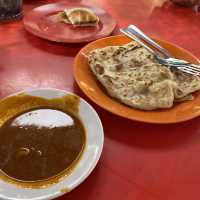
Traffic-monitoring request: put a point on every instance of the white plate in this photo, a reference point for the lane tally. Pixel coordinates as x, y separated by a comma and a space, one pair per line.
89, 159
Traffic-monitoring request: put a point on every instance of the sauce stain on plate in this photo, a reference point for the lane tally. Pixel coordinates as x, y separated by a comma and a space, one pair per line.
51, 25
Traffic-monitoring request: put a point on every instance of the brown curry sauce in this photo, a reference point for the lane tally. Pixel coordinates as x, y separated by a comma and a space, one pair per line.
41, 140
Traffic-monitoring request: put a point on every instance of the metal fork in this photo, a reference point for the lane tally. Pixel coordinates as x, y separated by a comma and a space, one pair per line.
183, 66
138, 33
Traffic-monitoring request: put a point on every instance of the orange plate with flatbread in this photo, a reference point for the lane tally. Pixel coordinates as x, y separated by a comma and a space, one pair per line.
92, 88
43, 22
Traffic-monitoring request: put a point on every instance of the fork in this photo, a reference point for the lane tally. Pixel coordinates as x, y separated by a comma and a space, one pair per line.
181, 65
138, 33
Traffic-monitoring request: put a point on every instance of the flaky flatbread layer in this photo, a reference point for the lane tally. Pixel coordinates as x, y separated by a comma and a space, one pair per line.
132, 75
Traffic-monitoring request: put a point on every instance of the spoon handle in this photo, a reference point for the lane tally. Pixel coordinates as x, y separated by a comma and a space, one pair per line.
136, 31
138, 40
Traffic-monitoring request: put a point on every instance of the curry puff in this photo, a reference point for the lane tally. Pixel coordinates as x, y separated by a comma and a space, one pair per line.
131, 75
79, 17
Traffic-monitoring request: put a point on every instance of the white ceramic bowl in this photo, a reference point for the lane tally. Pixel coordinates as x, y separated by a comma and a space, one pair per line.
89, 159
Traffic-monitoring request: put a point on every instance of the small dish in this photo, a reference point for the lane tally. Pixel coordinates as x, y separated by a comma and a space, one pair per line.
43, 22
85, 165
92, 88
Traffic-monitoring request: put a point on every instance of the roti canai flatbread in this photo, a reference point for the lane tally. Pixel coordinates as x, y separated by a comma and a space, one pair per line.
130, 74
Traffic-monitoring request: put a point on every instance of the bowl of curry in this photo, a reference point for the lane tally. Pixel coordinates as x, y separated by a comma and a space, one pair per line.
50, 141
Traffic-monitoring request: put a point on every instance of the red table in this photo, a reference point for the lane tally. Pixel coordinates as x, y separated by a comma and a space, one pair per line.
139, 161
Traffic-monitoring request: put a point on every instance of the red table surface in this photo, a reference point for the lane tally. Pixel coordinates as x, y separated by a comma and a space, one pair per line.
139, 161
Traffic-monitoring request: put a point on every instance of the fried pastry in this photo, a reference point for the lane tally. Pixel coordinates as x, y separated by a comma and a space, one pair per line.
79, 17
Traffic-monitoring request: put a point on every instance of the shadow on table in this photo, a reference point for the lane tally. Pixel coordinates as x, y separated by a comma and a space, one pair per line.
87, 188
150, 136
144, 135
53, 47
69, 49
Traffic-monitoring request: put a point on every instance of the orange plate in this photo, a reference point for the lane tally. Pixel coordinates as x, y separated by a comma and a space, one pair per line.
42, 22
93, 89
